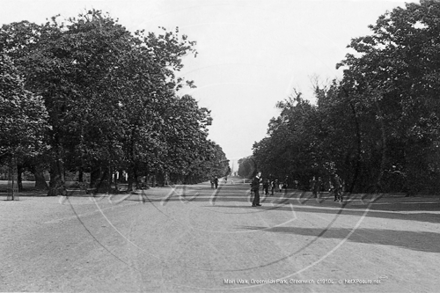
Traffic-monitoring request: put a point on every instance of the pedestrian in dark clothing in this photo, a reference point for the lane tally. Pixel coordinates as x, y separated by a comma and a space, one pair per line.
216, 182
316, 186
272, 187
255, 187
266, 186
337, 187
284, 187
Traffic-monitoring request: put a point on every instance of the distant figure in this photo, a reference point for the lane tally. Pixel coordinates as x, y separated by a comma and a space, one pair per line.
216, 182
255, 188
316, 186
284, 187
337, 187
266, 186
212, 182
272, 187
295, 184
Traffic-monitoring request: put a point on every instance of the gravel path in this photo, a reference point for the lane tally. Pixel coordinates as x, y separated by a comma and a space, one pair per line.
195, 239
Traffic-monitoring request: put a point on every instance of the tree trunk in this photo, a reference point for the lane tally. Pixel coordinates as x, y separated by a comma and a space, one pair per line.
160, 179
104, 185
19, 177
57, 180
131, 180
99, 179
384, 148
121, 177
115, 178
12, 172
56, 183
359, 149
358, 144
40, 181
95, 175
80, 175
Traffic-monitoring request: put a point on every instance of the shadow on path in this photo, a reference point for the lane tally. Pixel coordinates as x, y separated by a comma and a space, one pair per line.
419, 241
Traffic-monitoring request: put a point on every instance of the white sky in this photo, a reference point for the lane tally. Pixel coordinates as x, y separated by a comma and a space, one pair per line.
252, 53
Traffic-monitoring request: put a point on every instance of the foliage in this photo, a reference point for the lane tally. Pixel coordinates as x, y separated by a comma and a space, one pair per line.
111, 97
22, 114
247, 167
379, 126
396, 74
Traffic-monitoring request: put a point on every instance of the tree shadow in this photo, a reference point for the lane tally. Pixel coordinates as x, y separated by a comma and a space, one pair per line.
414, 209
418, 241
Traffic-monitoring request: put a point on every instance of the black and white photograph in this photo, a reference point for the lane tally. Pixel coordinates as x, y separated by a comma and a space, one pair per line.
220, 146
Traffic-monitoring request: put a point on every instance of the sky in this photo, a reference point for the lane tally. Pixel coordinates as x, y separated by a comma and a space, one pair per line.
251, 53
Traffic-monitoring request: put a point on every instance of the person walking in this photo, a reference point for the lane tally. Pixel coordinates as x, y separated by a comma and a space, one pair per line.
215, 182
316, 186
255, 188
337, 186
266, 186
272, 187
284, 187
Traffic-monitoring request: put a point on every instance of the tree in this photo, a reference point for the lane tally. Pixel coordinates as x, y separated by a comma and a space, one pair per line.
23, 117
379, 127
292, 148
395, 71
111, 98
247, 167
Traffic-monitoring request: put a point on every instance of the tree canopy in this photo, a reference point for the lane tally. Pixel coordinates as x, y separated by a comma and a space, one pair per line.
378, 126
109, 98
22, 114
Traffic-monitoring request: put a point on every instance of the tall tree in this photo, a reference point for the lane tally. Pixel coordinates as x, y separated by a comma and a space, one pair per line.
395, 70
23, 117
111, 97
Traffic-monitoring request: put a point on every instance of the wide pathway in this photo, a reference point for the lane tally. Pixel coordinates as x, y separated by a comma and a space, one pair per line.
196, 239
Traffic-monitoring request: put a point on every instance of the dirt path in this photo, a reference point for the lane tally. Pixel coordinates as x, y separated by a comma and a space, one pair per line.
198, 239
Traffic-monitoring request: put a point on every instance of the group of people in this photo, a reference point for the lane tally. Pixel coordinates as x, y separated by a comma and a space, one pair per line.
214, 182
267, 183
336, 185
255, 189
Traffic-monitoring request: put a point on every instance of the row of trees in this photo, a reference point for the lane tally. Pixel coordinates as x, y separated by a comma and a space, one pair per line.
86, 95
379, 126
247, 167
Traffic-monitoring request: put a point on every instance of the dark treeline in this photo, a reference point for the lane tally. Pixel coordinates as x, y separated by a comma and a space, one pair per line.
378, 127
247, 167
85, 95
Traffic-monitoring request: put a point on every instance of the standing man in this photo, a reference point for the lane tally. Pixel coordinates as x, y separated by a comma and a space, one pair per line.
316, 186
255, 187
212, 182
313, 185
337, 187
266, 186
272, 186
